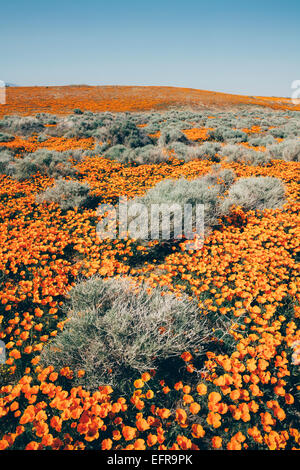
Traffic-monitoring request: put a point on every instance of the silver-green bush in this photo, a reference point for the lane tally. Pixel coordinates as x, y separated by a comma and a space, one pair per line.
240, 154
46, 162
255, 193
6, 157
117, 328
171, 134
67, 194
207, 190
288, 150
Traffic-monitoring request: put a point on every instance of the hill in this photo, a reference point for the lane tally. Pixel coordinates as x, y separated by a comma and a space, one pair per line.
63, 99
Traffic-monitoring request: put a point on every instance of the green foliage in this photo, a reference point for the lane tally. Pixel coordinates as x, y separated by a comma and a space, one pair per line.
240, 154
117, 329
67, 194
255, 193
147, 155
6, 157
288, 150
125, 132
21, 125
207, 190
46, 162
171, 134
6, 137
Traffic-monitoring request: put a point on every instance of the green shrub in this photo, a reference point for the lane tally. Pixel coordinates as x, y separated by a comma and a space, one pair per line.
206, 151
148, 154
42, 138
125, 132
117, 152
46, 162
239, 154
6, 157
171, 134
264, 140
207, 190
255, 193
22, 125
235, 135
288, 150
219, 176
6, 137
291, 151
117, 329
67, 194
223, 133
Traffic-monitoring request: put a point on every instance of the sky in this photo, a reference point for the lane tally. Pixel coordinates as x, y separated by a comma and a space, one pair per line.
230, 46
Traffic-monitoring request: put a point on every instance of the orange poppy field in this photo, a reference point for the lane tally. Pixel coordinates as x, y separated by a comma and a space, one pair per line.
242, 390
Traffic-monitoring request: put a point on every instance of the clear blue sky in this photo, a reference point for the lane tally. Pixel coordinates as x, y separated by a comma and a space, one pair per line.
233, 46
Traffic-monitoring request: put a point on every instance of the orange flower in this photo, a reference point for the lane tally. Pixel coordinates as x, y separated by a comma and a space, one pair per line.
146, 376
216, 442
181, 416
195, 408
151, 440
139, 444
128, 433
214, 419
197, 431
142, 424
138, 383
106, 444
202, 389
214, 397
186, 356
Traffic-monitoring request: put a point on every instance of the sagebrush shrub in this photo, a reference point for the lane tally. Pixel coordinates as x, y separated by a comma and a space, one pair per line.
219, 176
117, 328
171, 134
67, 194
240, 154
22, 125
255, 193
117, 152
6, 137
6, 158
206, 190
148, 154
235, 135
291, 151
46, 162
206, 151
288, 150
225, 133
263, 140
125, 132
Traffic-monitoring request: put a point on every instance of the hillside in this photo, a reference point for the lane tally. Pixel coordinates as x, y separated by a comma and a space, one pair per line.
63, 99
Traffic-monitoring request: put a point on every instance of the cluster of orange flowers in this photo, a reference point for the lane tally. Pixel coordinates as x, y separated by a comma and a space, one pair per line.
21, 145
64, 99
197, 133
246, 272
